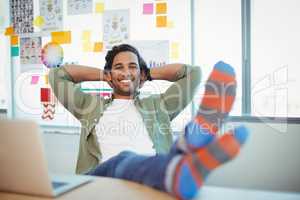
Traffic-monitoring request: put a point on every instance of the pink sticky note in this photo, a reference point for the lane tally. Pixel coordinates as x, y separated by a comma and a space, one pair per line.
34, 79
148, 8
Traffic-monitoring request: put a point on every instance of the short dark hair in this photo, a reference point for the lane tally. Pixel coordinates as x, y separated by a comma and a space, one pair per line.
122, 48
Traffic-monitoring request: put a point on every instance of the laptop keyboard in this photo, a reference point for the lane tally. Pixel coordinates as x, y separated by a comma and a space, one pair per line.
56, 185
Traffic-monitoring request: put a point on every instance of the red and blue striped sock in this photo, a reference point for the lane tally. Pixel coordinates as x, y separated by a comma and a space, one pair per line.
219, 95
188, 173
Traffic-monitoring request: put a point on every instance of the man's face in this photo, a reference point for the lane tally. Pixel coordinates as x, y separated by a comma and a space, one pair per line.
125, 73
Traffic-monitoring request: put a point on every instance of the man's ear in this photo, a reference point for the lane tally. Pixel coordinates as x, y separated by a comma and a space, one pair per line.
108, 78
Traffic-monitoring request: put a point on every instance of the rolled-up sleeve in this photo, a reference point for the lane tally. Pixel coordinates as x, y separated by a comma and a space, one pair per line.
69, 94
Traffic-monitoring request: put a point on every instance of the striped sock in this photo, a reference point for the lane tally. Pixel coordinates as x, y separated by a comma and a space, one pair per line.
191, 170
219, 95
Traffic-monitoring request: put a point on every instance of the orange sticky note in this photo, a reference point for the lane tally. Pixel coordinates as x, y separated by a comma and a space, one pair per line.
98, 46
61, 37
9, 31
161, 8
161, 21
14, 40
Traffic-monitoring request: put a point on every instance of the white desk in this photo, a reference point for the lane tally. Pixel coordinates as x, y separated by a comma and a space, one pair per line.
115, 189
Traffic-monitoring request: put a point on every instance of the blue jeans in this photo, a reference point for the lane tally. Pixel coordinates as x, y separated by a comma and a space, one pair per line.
147, 170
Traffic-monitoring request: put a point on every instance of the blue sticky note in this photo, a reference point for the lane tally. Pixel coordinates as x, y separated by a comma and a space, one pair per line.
14, 51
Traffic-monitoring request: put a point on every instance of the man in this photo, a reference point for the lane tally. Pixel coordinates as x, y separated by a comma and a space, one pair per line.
182, 170
125, 71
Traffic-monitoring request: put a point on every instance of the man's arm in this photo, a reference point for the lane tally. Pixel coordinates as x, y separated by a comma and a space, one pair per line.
168, 72
180, 94
80, 73
64, 81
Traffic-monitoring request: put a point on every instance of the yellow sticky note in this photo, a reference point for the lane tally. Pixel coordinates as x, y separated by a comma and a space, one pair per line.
87, 47
86, 35
39, 21
161, 21
98, 46
14, 40
46, 77
62, 37
99, 7
9, 31
161, 8
175, 50
170, 24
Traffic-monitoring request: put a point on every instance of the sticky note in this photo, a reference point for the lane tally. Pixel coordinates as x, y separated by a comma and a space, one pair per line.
9, 31
45, 94
14, 40
161, 21
86, 35
46, 78
99, 7
148, 8
87, 47
170, 24
161, 8
34, 79
14, 51
61, 37
98, 46
39, 21
175, 50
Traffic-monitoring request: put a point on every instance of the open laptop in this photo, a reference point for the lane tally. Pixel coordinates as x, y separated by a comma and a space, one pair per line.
23, 166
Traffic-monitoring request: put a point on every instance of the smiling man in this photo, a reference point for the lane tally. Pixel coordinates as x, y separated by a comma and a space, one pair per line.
126, 121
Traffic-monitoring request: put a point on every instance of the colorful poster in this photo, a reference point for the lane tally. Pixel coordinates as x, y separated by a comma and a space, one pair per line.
52, 12
154, 52
115, 27
22, 15
30, 50
77, 7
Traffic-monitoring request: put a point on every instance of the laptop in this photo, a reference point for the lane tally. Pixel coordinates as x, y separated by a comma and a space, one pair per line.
23, 167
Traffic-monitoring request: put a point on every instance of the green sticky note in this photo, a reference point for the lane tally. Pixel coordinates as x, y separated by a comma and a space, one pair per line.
14, 51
